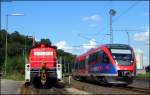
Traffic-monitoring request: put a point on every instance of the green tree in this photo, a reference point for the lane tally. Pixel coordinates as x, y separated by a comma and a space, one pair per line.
16, 49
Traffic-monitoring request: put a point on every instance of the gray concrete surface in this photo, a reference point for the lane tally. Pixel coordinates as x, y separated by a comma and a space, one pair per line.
17, 87
10, 86
141, 83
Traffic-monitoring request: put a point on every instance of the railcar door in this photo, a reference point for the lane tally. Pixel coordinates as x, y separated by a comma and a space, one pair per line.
107, 67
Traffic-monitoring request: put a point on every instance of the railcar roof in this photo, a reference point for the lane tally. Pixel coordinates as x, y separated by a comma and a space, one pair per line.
105, 45
117, 46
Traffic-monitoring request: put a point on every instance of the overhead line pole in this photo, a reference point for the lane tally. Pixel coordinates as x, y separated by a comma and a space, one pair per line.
14, 14
6, 43
112, 13
128, 35
111, 32
128, 38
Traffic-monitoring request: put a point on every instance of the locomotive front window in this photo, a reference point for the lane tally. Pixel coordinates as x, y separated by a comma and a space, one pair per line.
123, 57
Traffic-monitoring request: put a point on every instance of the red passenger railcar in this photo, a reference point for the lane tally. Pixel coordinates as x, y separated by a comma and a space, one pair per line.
109, 63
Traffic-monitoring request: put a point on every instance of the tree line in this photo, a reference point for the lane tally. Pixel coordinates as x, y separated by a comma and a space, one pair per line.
19, 45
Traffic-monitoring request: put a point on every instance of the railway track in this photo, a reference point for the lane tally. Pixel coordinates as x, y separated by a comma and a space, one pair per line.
127, 88
56, 90
101, 88
135, 89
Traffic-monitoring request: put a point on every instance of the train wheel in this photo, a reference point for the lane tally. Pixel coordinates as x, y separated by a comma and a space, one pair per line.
74, 77
27, 84
37, 82
104, 81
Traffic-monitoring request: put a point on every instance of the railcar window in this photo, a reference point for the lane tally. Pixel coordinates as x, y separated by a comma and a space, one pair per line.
105, 58
82, 65
100, 56
76, 66
90, 58
96, 56
79, 65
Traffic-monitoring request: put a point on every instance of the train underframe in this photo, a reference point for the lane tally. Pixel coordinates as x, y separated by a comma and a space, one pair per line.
43, 79
119, 79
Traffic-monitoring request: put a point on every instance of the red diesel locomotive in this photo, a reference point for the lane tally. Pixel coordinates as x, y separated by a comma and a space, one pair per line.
109, 63
41, 70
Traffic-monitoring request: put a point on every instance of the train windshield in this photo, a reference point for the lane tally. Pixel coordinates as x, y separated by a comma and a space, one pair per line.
122, 56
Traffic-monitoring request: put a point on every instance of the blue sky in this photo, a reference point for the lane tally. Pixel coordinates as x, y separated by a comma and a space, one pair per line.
80, 23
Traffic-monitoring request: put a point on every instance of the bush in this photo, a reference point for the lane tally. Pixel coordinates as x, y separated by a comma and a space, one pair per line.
15, 64
15, 76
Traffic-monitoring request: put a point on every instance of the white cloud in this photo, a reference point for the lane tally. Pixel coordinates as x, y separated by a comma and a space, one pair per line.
142, 36
76, 50
91, 44
61, 44
92, 18
85, 47
64, 46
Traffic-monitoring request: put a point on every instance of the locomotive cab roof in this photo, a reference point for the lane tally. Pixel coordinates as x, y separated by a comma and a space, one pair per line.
43, 45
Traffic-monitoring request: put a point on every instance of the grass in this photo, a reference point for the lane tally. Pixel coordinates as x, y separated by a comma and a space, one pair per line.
16, 76
15, 68
143, 75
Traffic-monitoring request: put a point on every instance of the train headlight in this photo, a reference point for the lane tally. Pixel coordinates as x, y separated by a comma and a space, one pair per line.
27, 67
128, 73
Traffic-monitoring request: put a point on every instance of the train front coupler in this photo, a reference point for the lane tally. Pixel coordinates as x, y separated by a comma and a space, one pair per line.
43, 75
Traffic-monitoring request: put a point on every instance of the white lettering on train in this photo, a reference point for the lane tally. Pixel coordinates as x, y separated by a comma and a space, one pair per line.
43, 53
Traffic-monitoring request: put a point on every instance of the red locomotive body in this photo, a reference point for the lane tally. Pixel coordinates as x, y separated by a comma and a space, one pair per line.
43, 54
43, 65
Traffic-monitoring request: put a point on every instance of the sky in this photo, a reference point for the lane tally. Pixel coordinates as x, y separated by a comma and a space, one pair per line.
77, 26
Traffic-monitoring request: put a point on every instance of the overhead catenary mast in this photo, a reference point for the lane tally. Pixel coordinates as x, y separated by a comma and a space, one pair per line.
112, 12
